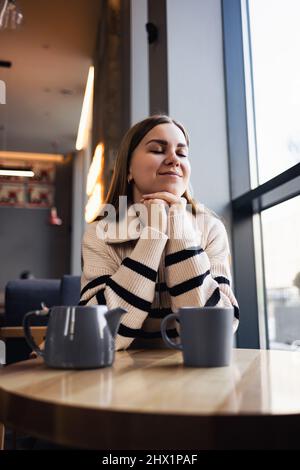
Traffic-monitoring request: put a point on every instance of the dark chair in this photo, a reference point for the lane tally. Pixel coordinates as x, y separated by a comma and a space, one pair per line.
23, 295
69, 290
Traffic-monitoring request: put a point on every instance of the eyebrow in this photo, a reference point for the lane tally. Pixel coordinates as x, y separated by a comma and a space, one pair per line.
165, 142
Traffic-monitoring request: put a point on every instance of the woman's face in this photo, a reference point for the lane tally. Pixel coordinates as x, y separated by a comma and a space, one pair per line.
160, 162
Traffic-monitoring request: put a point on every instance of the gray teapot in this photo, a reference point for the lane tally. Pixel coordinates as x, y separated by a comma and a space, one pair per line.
78, 337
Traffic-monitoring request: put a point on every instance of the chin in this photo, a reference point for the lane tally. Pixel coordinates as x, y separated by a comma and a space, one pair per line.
171, 188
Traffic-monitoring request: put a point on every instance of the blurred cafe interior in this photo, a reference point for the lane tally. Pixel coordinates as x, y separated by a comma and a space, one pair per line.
76, 75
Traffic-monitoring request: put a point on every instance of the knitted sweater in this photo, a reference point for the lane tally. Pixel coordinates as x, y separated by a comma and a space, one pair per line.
152, 277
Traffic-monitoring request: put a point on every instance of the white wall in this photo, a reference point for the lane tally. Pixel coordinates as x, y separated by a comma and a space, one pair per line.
139, 92
197, 94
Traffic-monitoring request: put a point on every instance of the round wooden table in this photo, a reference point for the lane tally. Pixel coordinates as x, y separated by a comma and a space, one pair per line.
149, 400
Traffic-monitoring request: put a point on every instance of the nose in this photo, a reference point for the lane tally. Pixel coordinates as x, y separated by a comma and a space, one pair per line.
172, 158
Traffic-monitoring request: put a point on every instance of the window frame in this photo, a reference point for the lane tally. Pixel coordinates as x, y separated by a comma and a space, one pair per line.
248, 197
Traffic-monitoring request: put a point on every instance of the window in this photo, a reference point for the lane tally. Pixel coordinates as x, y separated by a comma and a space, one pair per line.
281, 236
275, 49
262, 72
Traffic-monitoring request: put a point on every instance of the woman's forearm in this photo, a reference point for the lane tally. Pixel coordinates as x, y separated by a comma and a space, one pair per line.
193, 277
130, 285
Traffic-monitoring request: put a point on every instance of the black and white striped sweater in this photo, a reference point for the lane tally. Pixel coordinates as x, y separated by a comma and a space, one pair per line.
151, 277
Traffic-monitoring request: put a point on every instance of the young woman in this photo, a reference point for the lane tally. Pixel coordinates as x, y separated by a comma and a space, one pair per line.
153, 261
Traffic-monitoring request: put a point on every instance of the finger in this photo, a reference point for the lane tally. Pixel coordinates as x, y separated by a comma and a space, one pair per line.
157, 201
169, 197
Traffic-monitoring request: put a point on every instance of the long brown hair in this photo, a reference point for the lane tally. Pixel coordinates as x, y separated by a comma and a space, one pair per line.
119, 185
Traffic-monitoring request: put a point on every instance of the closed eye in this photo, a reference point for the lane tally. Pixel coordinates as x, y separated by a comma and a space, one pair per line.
161, 151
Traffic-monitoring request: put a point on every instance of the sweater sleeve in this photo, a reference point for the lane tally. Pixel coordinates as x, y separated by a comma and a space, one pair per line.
194, 276
130, 285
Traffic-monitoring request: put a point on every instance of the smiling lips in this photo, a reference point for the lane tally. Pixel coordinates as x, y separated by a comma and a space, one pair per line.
171, 173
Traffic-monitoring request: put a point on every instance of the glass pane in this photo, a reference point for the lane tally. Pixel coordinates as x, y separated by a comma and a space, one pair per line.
281, 239
275, 48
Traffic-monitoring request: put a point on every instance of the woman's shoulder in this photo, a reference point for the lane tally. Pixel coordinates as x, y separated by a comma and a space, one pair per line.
91, 235
90, 228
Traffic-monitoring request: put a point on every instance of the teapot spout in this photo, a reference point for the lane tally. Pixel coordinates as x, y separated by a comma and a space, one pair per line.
113, 318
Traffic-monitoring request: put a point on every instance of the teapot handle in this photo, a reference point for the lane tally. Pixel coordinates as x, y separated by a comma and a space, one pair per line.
26, 325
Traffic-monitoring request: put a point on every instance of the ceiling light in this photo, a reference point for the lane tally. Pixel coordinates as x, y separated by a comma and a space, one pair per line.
10, 15
15, 171
42, 157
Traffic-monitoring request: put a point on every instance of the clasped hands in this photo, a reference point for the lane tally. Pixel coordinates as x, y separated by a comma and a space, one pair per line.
160, 206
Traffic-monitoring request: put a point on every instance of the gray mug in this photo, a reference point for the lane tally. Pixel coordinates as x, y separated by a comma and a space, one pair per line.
206, 335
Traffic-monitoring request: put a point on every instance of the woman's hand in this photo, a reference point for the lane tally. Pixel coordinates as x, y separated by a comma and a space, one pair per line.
156, 215
174, 202
160, 206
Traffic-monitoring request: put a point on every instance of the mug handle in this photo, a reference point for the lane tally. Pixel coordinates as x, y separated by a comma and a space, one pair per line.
163, 327
26, 326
